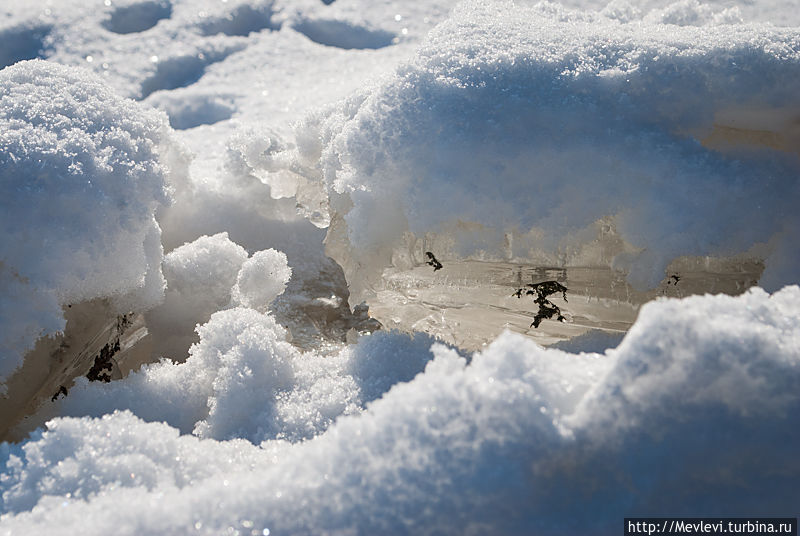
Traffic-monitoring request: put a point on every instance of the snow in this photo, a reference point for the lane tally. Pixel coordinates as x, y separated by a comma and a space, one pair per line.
199, 278
83, 172
242, 359
693, 413
262, 278
607, 119
196, 161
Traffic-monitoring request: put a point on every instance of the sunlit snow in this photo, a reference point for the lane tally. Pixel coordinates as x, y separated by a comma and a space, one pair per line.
220, 311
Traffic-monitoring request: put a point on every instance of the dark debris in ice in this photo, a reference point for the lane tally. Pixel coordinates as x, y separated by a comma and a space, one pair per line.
547, 309
103, 366
432, 261
61, 391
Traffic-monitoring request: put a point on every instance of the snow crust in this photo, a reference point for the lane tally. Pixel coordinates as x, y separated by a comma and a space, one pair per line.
693, 413
82, 174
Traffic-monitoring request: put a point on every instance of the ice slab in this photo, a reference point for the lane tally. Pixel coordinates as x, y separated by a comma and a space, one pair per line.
470, 303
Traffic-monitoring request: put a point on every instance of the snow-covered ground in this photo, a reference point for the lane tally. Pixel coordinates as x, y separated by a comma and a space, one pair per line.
212, 188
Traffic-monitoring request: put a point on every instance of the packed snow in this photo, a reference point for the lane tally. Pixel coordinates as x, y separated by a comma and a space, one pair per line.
220, 183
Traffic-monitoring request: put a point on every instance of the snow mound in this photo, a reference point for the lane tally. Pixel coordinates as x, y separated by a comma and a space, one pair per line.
497, 142
693, 414
147, 455
81, 176
247, 352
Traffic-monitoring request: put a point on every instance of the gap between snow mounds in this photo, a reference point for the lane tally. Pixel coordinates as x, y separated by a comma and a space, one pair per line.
344, 34
139, 17
22, 42
182, 71
241, 21
187, 111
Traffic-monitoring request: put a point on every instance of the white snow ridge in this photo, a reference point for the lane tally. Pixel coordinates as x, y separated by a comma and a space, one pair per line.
82, 176
273, 266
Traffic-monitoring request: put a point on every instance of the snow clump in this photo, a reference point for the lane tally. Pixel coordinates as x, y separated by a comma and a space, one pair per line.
261, 279
199, 278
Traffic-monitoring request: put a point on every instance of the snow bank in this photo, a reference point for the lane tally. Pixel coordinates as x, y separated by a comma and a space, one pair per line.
517, 127
694, 413
81, 176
